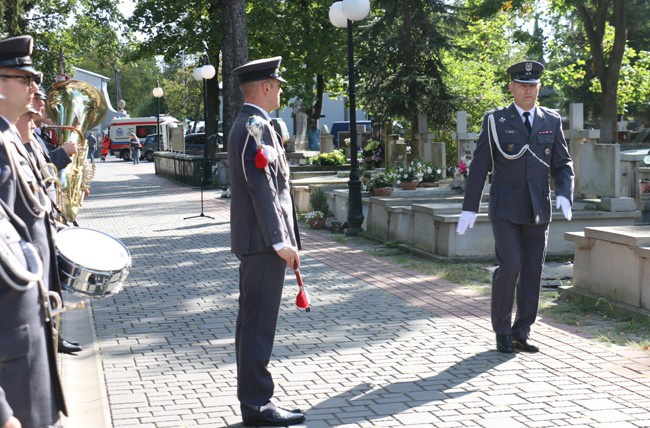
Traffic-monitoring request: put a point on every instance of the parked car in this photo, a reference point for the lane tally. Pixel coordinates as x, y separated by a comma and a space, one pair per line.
344, 125
149, 147
195, 143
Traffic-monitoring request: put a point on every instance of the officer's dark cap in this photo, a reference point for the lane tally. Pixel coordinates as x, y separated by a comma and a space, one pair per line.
526, 72
260, 69
15, 53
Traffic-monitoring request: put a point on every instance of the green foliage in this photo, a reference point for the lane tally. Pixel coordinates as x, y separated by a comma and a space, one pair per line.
318, 200
399, 60
183, 95
332, 158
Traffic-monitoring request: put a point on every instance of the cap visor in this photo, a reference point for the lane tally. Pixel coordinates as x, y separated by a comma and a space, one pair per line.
27, 68
526, 80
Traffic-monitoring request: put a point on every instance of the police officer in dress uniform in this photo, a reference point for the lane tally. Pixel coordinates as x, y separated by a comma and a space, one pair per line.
30, 389
263, 236
521, 145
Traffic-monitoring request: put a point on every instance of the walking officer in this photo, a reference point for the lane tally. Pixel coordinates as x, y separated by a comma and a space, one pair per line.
521, 145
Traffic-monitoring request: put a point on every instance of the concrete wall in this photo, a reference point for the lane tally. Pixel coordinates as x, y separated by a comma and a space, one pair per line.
613, 262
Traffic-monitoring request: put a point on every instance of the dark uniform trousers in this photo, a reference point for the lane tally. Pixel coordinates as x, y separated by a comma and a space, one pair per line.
261, 215
519, 207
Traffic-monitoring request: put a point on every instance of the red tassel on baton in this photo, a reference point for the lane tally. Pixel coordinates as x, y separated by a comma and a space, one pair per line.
302, 299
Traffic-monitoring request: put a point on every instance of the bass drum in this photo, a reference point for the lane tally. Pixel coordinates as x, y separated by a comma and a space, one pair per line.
92, 263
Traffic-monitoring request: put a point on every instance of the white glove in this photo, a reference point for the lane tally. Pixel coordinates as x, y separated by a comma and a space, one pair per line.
562, 202
467, 219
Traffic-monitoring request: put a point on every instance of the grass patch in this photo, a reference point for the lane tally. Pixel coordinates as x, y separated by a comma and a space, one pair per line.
599, 318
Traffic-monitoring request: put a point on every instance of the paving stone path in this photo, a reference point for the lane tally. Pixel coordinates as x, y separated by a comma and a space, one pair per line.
383, 346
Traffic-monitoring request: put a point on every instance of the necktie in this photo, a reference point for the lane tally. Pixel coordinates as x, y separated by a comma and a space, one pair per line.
527, 122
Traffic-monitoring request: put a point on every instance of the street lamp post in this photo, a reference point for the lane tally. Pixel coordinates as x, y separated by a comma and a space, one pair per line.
157, 92
202, 73
342, 14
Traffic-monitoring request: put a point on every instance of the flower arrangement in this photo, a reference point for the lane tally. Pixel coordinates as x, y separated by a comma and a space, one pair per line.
414, 172
335, 157
382, 180
313, 216
430, 174
462, 168
372, 155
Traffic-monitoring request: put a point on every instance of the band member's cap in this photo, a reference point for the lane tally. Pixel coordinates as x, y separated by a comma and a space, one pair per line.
41, 94
260, 69
15, 53
526, 72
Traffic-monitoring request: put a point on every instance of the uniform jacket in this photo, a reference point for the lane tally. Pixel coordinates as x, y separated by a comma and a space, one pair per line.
258, 218
30, 388
520, 190
57, 156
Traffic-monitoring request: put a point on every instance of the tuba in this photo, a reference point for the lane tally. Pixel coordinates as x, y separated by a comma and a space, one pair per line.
75, 107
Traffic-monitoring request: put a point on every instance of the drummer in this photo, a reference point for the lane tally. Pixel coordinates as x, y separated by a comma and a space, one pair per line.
30, 388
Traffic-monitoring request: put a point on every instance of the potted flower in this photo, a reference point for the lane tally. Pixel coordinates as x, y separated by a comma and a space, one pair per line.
315, 219
372, 155
381, 184
332, 158
409, 178
430, 175
460, 175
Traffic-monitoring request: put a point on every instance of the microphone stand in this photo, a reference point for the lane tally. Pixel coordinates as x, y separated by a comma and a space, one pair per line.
207, 163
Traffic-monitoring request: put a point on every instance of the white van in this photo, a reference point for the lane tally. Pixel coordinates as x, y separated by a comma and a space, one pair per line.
121, 129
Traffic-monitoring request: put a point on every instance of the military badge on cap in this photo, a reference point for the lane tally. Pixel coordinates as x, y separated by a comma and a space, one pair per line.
526, 72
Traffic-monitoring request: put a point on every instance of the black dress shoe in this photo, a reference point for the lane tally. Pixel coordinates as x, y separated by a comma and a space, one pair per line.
523, 345
504, 343
66, 347
71, 342
274, 417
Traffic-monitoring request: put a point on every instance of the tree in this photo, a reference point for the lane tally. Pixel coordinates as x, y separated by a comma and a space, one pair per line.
313, 50
235, 53
195, 32
400, 60
606, 61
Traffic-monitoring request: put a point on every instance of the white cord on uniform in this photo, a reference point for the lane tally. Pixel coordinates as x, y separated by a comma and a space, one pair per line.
494, 135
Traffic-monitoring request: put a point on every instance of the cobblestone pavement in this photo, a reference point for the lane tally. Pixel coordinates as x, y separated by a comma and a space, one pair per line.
383, 346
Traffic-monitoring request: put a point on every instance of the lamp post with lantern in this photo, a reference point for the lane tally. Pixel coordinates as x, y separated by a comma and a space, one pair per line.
342, 14
157, 92
203, 72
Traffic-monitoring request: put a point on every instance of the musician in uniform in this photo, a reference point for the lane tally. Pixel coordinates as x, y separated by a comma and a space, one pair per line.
522, 145
41, 168
30, 389
263, 236
60, 156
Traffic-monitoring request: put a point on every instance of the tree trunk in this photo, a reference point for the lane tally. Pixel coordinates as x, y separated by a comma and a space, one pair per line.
607, 70
234, 42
